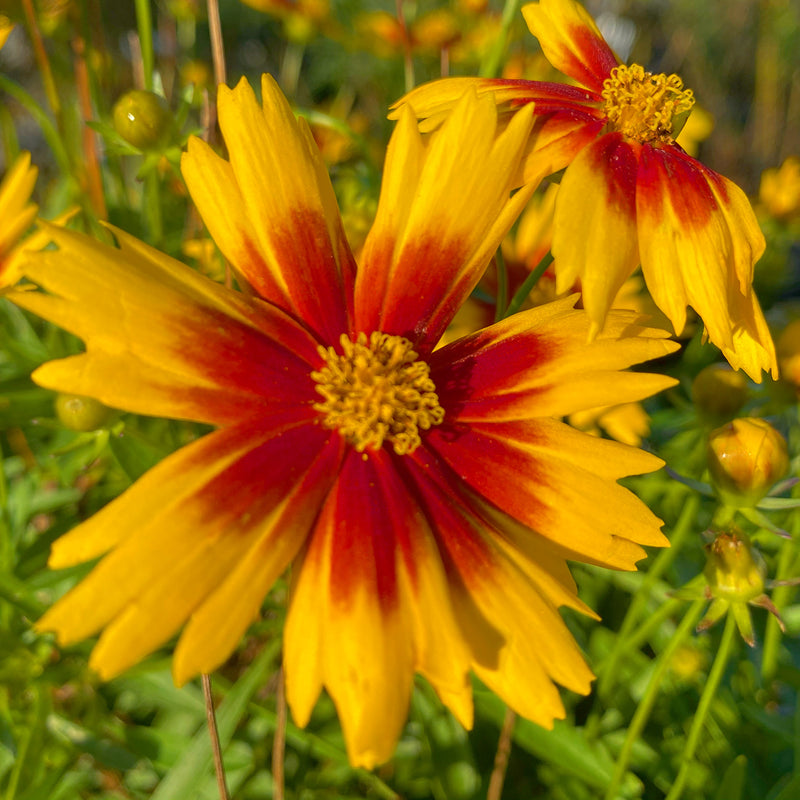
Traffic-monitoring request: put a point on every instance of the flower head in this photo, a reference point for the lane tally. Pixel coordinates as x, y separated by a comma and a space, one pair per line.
17, 214
630, 195
426, 500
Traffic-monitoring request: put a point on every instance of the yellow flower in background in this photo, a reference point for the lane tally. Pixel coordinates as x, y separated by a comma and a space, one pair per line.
17, 214
697, 129
629, 195
426, 500
780, 189
6, 26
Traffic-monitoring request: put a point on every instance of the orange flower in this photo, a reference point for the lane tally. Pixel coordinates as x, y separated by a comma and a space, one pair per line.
426, 500
629, 194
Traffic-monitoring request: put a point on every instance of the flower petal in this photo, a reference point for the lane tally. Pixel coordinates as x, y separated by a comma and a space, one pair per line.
222, 619
497, 625
285, 195
539, 364
185, 525
177, 344
428, 247
349, 627
571, 41
594, 237
533, 472
699, 241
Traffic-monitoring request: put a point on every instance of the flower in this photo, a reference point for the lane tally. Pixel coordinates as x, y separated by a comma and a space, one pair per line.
629, 194
426, 501
780, 189
6, 26
17, 214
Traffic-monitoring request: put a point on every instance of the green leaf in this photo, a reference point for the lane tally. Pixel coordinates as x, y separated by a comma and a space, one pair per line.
732, 784
134, 454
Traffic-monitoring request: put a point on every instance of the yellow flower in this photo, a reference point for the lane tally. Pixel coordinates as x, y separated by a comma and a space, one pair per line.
426, 500
629, 195
6, 26
17, 214
780, 189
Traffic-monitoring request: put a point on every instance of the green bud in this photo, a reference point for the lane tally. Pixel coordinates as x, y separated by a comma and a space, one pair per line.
142, 119
719, 392
80, 413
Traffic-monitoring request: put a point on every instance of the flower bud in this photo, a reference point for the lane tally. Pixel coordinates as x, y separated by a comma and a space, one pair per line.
734, 570
745, 458
719, 392
142, 119
80, 413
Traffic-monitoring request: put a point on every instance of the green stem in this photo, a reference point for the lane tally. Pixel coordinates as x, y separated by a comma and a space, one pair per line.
152, 207
714, 677
525, 289
502, 285
144, 23
684, 526
781, 597
45, 123
642, 713
490, 68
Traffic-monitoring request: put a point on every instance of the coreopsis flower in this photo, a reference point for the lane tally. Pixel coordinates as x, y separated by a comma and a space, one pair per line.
17, 214
780, 189
630, 195
427, 501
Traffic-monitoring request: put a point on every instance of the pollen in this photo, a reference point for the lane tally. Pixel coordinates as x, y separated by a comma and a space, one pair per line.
643, 106
377, 390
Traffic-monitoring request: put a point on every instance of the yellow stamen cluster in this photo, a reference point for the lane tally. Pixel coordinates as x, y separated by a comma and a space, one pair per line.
376, 390
643, 106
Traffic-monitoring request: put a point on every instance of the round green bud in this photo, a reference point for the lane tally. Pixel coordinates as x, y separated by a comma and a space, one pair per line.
719, 392
142, 119
80, 413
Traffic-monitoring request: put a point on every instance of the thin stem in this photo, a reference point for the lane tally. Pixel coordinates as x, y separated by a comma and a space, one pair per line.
490, 68
279, 742
291, 64
780, 597
408, 61
709, 690
94, 176
217, 45
525, 289
42, 60
211, 719
502, 285
498, 775
642, 713
152, 207
144, 24
45, 123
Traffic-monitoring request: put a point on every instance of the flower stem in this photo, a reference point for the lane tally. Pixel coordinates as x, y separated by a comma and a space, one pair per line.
714, 677
144, 24
642, 713
211, 718
491, 65
684, 526
498, 775
525, 289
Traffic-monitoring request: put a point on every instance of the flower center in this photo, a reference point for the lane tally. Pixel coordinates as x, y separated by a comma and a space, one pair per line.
377, 390
643, 106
